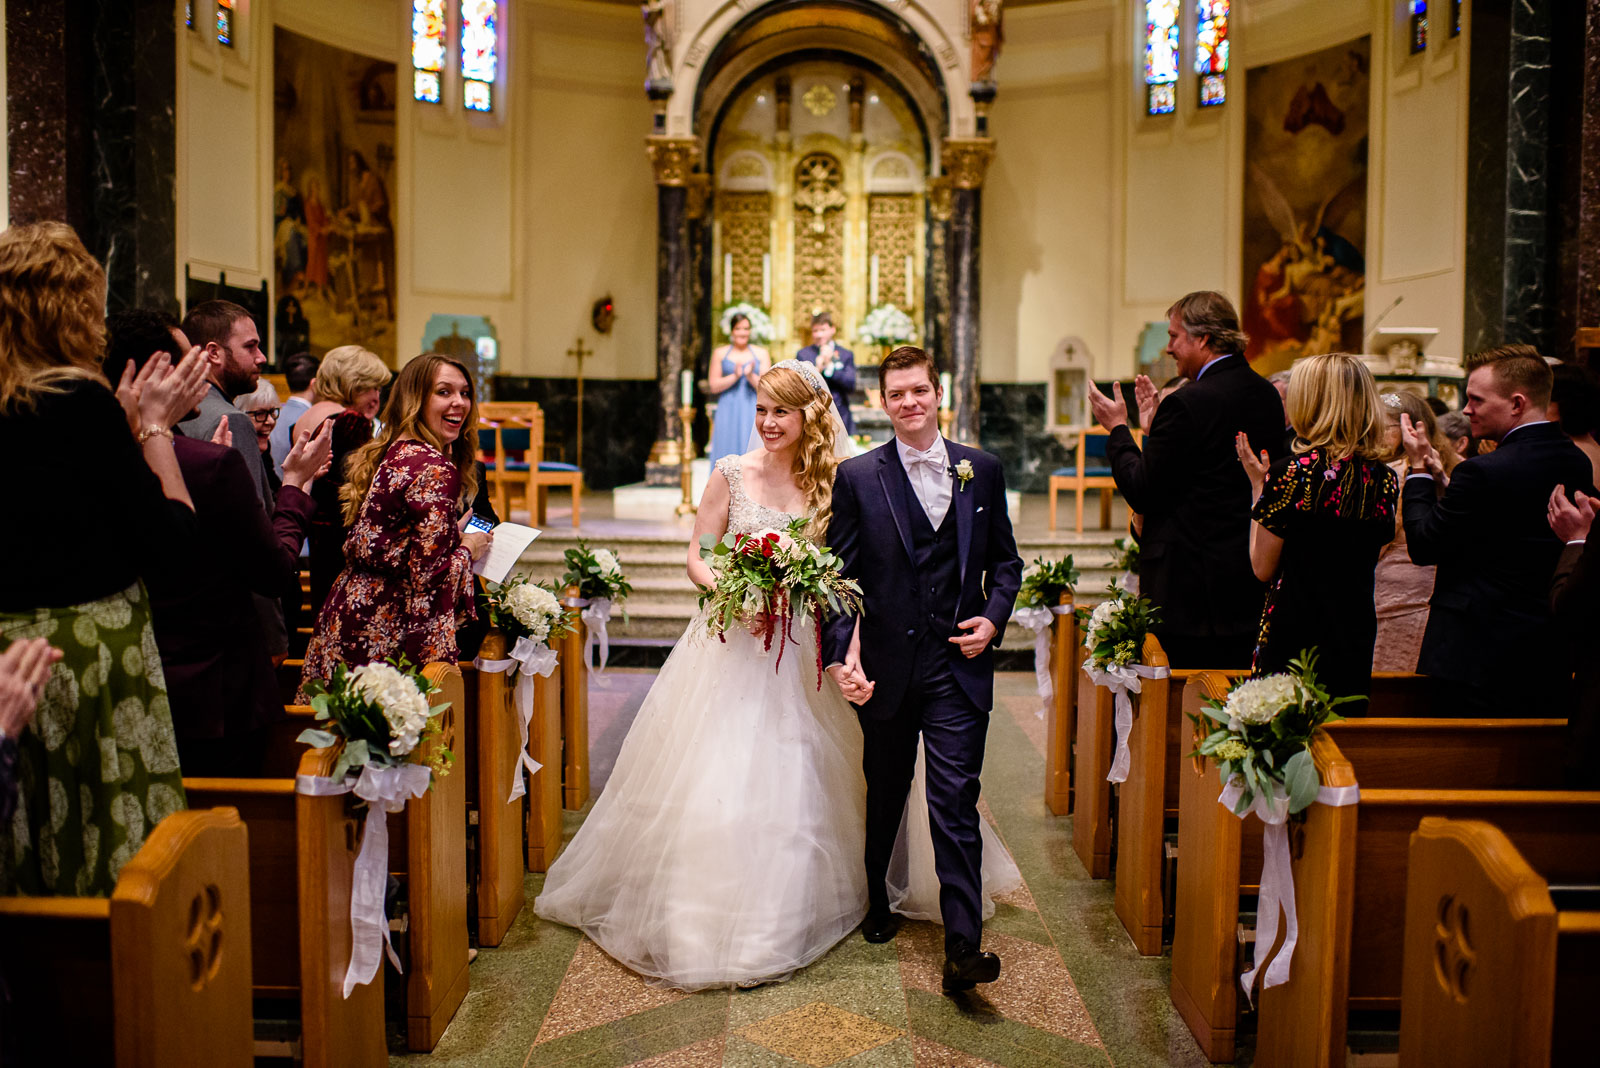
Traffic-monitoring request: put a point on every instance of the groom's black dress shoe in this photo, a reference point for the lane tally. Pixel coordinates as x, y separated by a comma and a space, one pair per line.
879, 927
965, 966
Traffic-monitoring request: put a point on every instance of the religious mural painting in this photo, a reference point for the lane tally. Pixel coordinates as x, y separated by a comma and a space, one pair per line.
332, 208
1305, 204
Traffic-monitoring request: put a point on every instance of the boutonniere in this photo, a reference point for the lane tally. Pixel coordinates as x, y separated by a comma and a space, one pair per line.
963, 471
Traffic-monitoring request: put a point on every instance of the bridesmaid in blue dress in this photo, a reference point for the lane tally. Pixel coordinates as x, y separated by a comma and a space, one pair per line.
735, 369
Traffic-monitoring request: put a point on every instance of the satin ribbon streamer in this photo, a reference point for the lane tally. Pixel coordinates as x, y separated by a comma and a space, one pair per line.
534, 658
595, 613
1038, 620
385, 790
1129, 678
1129, 581
1277, 876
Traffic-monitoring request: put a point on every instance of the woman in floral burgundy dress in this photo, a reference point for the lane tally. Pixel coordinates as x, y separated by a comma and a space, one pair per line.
407, 581
1321, 517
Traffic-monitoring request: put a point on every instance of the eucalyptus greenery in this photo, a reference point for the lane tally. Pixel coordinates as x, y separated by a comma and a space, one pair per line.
1044, 581
1116, 628
1263, 733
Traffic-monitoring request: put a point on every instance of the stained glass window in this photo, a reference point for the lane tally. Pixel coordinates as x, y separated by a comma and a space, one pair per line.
427, 49
1161, 56
225, 22
188, 14
1455, 18
1419, 26
480, 22
1211, 50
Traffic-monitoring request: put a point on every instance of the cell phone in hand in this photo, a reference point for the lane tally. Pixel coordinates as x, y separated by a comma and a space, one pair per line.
480, 524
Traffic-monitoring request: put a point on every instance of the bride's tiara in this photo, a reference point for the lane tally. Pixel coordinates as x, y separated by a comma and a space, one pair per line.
809, 372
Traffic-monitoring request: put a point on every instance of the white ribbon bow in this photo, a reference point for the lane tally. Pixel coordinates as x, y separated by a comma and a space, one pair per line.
1277, 876
1038, 620
385, 789
595, 614
1122, 681
1128, 581
535, 659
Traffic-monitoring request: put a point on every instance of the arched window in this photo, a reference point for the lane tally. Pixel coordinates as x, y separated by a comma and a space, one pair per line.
225, 22
1161, 56
480, 48
1211, 50
427, 49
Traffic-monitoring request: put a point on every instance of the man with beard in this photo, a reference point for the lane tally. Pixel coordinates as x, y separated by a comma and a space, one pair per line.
234, 360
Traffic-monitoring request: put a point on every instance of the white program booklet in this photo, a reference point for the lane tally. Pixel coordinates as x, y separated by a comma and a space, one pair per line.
510, 539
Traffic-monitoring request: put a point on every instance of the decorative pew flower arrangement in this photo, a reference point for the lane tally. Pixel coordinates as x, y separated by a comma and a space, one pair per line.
1044, 581
762, 581
886, 325
532, 615
1116, 629
760, 322
1126, 557
602, 586
1262, 734
382, 714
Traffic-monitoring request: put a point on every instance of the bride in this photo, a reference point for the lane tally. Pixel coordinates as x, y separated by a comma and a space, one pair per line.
727, 848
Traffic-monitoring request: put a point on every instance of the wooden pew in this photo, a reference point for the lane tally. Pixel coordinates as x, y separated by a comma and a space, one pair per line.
429, 847
1500, 967
1351, 875
1066, 656
1156, 746
157, 974
544, 800
1091, 794
302, 855
1220, 855
574, 714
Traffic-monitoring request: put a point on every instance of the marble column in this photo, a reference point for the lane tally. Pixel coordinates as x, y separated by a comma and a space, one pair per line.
90, 92
936, 279
1587, 230
697, 354
966, 160
673, 159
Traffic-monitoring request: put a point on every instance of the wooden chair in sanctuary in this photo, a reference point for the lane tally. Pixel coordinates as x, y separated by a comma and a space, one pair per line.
125, 980
511, 441
1091, 471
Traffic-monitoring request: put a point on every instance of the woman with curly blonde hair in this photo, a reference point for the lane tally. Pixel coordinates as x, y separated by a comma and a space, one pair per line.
407, 581
105, 504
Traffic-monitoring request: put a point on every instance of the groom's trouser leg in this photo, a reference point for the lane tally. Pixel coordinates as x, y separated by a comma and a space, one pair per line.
953, 734
889, 759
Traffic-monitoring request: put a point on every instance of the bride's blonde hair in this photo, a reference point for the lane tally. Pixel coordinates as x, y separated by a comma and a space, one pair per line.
815, 460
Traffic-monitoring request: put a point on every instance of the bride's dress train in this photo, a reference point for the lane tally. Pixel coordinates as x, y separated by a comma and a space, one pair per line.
726, 848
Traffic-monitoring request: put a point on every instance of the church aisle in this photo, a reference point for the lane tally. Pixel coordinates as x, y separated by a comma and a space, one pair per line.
1073, 991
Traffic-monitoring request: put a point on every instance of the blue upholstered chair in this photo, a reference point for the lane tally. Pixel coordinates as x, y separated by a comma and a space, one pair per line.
1090, 472
512, 443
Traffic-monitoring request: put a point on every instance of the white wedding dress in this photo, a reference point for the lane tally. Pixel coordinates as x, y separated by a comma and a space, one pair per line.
727, 846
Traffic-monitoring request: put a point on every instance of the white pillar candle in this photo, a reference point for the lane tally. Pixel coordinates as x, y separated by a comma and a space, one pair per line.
766, 279
911, 301
944, 388
872, 286
727, 278
686, 387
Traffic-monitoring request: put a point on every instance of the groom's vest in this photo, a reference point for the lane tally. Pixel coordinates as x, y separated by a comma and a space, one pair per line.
938, 568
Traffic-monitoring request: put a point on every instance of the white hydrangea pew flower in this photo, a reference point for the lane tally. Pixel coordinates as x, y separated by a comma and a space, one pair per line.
404, 706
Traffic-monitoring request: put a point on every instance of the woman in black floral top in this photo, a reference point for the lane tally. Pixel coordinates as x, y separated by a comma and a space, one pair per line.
1321, 516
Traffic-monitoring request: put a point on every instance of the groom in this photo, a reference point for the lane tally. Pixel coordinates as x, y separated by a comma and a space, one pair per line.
921, 523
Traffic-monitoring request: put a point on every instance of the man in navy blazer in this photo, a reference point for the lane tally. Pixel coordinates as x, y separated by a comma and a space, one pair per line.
837, 364
1489, 645
921, 524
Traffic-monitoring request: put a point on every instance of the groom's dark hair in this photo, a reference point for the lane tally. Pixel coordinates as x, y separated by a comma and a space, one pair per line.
906, 357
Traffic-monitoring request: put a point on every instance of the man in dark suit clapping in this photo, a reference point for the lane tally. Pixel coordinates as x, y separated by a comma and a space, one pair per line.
837, 364
1489, 644
1194, 562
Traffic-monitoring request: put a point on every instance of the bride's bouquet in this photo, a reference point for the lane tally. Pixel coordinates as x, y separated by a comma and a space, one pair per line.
762, 581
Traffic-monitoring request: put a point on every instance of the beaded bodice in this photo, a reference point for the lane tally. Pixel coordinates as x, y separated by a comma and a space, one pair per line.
744, 515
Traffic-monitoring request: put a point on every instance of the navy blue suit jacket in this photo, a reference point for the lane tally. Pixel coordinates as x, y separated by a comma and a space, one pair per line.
871, 534
841, 383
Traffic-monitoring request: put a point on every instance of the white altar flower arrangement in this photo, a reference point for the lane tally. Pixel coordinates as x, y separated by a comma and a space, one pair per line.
760, 322
381, 712
1116, 629
886, 325
1263, 731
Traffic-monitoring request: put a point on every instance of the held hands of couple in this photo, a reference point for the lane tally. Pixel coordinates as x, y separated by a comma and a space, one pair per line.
1572, 519
852, 680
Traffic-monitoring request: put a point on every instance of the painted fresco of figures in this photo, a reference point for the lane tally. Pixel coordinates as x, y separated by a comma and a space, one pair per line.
1305, 205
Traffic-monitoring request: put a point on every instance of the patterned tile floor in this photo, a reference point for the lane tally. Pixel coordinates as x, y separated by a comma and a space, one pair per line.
1072, 991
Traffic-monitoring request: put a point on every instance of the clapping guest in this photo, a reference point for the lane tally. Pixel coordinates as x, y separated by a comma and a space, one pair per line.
1575, 407
1574, 592
1402, 588
263, 407
213, 646
299, 370
837, 364
407, 581
349, 391
1320, 517
227, 335
1149, 399
104, 499
24, 671
735, 370
1489, 638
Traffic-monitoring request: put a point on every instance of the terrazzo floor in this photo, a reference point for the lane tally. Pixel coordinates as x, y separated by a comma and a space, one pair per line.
1072, 992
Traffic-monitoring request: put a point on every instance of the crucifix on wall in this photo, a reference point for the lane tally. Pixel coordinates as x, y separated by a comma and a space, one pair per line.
579, 353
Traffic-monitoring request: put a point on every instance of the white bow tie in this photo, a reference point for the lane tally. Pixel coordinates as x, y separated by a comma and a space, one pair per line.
934, 458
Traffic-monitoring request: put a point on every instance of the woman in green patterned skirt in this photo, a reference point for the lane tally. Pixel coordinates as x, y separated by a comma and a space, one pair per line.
100, 501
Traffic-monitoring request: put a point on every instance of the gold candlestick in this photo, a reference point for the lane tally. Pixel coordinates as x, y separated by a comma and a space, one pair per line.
685, 455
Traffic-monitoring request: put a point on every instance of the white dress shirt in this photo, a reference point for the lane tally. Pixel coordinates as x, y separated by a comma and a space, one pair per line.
930, 477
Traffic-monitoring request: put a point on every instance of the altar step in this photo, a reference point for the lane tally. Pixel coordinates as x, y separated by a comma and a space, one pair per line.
664, 600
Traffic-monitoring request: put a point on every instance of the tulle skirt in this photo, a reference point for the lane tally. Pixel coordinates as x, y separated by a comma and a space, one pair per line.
727, 847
